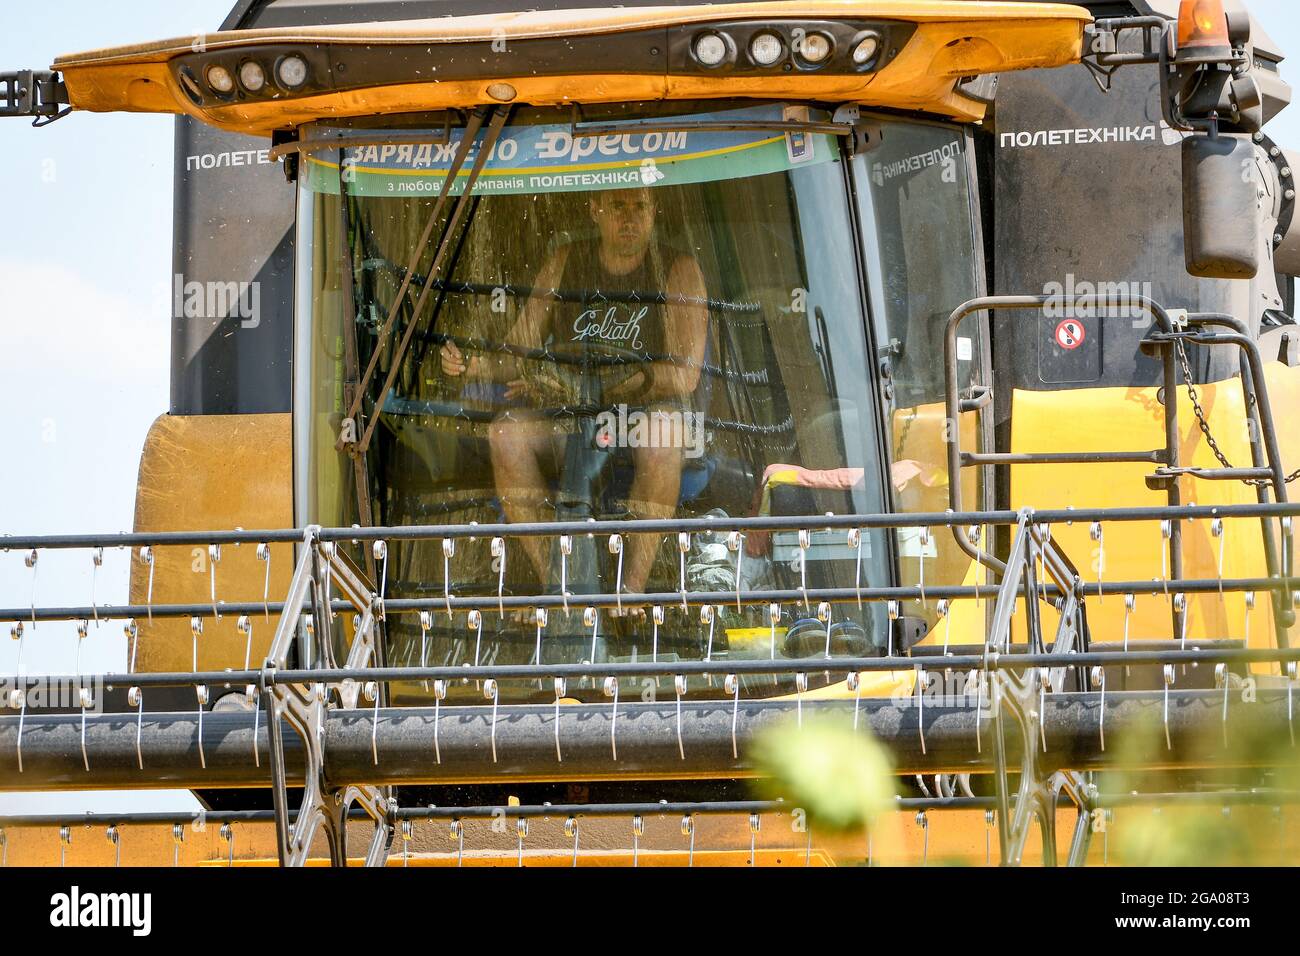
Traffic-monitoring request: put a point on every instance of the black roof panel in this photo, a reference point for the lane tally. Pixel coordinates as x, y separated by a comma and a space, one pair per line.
286, 13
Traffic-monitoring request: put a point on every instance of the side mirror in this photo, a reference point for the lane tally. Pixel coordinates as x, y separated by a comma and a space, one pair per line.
1220, 207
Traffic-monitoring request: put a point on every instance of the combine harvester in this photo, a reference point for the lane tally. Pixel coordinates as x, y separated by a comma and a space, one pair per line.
605, 387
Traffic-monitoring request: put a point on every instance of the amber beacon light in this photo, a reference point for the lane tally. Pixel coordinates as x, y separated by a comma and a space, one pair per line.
1202, 25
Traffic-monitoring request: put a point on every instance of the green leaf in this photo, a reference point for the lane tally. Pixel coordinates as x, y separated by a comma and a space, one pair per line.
840, 777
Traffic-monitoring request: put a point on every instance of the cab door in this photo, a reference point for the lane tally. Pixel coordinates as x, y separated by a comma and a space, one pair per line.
916, 196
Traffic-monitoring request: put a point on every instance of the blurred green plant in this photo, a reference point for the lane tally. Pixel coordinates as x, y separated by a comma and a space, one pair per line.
844, 780
1243, 756
841, 777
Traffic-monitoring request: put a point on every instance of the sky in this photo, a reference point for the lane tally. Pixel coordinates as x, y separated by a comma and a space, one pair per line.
85, 260
85, 211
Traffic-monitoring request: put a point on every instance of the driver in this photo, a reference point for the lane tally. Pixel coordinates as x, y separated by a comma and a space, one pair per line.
665, 342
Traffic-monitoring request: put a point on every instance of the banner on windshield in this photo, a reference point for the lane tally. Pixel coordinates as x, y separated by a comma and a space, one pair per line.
550, 158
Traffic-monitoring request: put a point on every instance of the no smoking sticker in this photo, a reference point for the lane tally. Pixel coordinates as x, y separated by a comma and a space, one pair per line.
1070, 334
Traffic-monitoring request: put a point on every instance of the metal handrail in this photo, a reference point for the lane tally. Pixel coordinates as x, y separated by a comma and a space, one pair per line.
1167, 334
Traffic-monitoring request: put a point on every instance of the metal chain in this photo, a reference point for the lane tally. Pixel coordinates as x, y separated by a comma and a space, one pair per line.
1205, 425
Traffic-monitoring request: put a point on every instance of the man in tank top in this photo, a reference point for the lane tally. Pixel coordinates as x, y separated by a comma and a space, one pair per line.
630, 311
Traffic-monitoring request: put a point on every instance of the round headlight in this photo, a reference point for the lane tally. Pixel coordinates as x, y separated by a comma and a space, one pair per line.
292, 72
815, 47
252, 75
766, 48
865, 51
710, 49
219, 79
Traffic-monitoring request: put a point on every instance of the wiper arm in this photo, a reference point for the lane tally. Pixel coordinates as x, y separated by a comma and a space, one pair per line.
351, 353
347, 427
841, 124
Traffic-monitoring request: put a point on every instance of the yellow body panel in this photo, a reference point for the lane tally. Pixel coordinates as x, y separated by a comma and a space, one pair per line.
606, 858
1131, 419
956, 836
953, 40
211, 473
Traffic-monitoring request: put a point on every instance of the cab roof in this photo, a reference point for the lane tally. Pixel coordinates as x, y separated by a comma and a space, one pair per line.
556, 56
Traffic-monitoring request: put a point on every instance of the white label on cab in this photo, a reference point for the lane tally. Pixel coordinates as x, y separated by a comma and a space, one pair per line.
909, 543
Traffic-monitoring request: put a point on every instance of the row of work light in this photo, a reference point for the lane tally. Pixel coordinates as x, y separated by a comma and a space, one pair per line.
289, 73
768, 48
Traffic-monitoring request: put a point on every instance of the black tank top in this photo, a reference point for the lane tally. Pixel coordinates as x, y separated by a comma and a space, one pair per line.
600, 308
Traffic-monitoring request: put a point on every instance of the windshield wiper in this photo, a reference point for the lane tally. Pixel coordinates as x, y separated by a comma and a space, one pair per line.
347, 428
351, 137
351, 353
841, 124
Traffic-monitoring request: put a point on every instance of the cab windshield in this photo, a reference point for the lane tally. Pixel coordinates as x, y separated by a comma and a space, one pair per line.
641, 324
